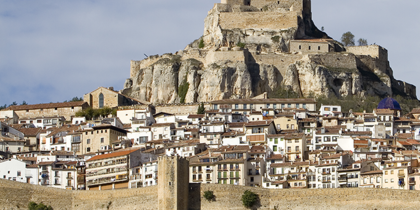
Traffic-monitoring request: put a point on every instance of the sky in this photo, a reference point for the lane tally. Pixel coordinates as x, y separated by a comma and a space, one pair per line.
54, 50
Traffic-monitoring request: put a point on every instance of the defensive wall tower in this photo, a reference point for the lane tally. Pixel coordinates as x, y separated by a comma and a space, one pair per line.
173, 173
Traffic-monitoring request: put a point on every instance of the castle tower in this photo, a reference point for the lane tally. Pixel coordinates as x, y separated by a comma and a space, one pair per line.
173, 173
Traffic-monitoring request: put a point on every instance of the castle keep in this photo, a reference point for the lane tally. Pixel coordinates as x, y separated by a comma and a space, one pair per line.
250, 47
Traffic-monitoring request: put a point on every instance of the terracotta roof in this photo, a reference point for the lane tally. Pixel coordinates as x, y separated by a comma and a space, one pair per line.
276, 157
196, 116
65, 128
236, 125
415, 111
258, 123
372, 172
404, 143
111, 155
404, 135
46, 106
361, 142
30, 132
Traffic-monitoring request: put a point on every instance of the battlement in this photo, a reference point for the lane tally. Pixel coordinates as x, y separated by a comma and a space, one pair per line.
264, 5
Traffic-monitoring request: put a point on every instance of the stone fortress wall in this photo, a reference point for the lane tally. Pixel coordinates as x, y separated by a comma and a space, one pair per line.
261, 20
14, 195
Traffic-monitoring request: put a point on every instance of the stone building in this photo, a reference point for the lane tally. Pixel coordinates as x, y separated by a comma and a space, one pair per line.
312, 46
99, 138
107, 97
65, 109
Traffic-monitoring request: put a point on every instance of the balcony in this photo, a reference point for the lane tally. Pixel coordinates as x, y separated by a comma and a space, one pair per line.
412, 182
106, 181
135, 177
326, 181
326, 173
342, 179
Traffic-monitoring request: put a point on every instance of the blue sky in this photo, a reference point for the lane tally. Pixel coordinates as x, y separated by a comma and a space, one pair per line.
53, 50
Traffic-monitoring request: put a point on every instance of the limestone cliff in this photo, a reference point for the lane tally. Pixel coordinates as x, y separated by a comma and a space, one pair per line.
252, 47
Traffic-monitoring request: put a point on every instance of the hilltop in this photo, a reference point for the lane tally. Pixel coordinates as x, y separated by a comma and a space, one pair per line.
251, 47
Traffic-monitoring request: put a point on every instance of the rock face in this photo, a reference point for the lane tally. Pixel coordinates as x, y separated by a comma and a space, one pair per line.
249, 48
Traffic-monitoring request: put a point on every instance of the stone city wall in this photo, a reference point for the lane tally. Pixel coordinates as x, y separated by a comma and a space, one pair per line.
235, 56
66, 112
260, 20
14, 195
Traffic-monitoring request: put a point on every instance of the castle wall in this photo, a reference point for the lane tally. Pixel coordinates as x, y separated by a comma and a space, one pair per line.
375, 51
260, 20
335, 60
235, 56
297, 4
15, 195
280, 61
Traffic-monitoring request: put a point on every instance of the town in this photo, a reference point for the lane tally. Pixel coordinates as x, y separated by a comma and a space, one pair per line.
277, 143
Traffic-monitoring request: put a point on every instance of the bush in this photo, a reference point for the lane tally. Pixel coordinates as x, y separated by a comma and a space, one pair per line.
249, 198
201, 44
208, 195
241, 45
182, 91
41, 206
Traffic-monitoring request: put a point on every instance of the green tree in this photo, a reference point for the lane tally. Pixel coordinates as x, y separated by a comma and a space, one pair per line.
362, 42
201, 44
347, 39
76, 99
249, 198
13, 104
241, 45
322, 28
24, 103
201, 109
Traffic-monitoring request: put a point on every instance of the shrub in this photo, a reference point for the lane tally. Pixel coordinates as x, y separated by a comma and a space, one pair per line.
201, 44
208, 195
241, 45
275, 39
41, 206
182, 91
249, 198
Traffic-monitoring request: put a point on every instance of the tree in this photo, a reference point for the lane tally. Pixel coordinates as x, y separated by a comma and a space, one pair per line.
77, 99
362, 42
13, 104
347, 39
41, 206
24, 103
322, 28
201, 109
249, 198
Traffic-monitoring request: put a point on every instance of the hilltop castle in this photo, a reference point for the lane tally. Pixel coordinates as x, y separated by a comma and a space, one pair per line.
254, 46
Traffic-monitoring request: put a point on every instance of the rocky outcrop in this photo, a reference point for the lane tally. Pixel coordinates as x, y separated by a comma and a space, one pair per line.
252, 56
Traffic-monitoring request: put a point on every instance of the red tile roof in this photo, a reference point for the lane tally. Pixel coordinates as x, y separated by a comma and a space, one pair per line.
111, 155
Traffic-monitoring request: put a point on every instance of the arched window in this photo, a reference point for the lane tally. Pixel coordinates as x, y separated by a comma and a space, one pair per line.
101, 100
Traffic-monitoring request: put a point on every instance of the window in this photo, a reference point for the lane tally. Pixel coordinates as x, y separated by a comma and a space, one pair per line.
309, 47
297, 106
276, 141
300, 47
236, 106
245, 106
319, 47
87, 141
101, 100
274, 106
275, 148
304, 106
102, 140
268, 106
88, 149
18, 173
289, 105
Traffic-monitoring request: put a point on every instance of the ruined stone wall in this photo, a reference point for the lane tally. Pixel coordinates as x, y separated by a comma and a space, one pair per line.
335, 60
260, 20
